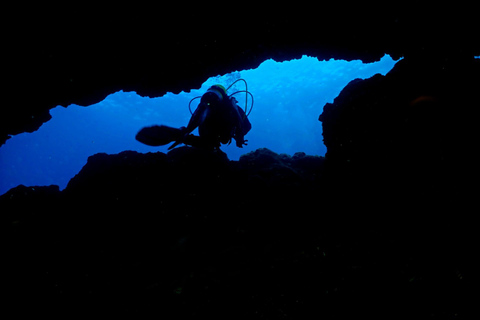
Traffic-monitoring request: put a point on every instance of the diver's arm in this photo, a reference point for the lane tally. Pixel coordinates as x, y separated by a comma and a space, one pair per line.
239, 134
195, 119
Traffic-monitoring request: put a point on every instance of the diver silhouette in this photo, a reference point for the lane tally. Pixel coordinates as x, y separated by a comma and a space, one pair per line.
218, 117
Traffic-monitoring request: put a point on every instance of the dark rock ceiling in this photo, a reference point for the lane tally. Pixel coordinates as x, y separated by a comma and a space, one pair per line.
79, 54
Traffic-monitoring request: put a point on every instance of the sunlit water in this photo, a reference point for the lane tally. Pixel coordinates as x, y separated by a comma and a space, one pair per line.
288, 98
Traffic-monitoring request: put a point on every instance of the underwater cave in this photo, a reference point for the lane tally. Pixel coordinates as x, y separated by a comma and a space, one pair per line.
373, 220
289, 97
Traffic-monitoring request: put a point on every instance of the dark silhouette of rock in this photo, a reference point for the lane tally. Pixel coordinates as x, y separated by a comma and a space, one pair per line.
176, 227
191, 233
413, 127
381, 227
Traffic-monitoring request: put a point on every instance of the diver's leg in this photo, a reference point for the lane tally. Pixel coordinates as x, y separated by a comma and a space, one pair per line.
158, 135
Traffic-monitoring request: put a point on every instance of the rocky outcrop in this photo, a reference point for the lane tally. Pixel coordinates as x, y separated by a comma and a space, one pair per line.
416, 124
138, 228
190, 233
420, 107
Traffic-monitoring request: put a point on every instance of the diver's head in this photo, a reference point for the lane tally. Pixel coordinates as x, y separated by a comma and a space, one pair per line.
219, 90
215, 94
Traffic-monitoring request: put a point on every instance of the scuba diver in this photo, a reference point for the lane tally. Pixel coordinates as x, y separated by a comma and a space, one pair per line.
218, 117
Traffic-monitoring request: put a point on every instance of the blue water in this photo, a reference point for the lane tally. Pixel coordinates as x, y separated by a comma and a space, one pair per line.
288, 98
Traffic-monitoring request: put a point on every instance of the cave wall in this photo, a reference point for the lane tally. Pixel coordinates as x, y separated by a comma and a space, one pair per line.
382, 225
406, 141
423, 108
79, 54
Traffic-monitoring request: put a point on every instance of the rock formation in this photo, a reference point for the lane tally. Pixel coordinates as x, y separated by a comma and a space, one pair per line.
380, 227
190, 233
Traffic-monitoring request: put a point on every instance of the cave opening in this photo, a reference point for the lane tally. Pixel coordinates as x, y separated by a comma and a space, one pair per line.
289, 97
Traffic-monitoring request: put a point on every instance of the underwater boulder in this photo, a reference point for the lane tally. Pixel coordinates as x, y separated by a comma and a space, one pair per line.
404, 140
274, 169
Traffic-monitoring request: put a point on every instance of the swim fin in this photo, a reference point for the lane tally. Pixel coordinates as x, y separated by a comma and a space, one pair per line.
156, 136
159, 135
